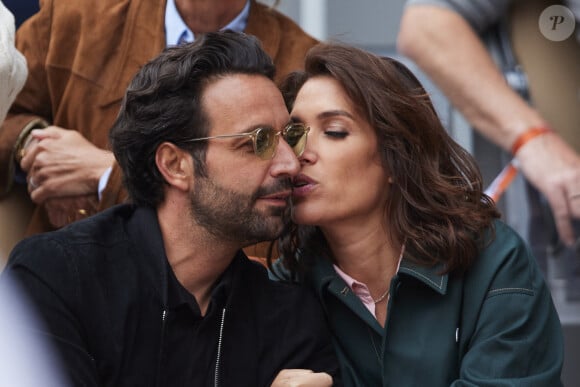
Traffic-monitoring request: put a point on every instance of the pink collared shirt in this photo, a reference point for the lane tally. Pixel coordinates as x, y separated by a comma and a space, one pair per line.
361, 290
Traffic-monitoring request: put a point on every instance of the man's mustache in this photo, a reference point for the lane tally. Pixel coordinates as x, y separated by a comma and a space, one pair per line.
280, 185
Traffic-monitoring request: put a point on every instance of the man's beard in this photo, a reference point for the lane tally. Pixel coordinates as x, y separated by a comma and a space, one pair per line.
232, 216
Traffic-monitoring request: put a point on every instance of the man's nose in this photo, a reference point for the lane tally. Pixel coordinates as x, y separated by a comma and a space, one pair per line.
284, 163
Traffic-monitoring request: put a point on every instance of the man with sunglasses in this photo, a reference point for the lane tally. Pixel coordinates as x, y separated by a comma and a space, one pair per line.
81, 57
158, 292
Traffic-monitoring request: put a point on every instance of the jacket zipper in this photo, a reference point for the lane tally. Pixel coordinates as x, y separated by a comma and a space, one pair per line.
219, 350
163, 319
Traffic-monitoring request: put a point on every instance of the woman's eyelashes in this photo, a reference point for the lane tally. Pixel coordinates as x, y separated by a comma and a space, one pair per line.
335, 129
334, 133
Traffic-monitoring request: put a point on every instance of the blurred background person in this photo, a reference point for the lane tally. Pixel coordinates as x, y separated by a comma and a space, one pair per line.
516, 82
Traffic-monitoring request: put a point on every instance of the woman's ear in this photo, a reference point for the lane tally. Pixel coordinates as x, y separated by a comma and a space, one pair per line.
175, 165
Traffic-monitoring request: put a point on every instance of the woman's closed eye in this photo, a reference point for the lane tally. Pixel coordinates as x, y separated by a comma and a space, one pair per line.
335, 128
336, 133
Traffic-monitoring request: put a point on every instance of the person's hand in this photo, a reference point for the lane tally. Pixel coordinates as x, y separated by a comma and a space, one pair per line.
554, 169
302, 378
61, 163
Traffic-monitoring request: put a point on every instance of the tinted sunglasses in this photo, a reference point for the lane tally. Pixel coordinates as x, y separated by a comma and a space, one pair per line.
265, 140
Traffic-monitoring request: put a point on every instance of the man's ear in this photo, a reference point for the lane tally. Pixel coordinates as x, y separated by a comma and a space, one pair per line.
175, 164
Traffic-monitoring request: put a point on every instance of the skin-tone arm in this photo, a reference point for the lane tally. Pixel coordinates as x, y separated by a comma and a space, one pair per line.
449, 51
302, 378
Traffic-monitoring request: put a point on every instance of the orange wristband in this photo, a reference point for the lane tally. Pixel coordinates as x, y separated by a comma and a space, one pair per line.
527, 136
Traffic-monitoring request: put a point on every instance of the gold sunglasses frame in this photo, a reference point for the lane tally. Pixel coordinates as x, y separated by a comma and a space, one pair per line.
254, 136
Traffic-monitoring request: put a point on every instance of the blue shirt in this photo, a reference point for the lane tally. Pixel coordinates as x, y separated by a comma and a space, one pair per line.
177, 32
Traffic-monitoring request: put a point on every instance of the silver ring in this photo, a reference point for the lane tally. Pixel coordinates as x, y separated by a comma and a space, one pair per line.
31, 184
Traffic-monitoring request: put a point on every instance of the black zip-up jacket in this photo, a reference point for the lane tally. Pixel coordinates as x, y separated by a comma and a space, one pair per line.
119, 317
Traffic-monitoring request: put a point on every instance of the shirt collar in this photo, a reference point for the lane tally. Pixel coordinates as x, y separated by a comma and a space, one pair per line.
324, 272
359, 289
353, 282
176, 30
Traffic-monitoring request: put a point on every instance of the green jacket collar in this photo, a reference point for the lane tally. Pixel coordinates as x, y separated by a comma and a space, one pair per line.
324, 275
430, 276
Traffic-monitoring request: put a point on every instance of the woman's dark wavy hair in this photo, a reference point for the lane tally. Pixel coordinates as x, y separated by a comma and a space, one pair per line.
163, 103
435, 205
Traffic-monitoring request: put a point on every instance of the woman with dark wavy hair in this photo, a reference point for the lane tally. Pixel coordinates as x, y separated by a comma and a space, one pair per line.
421, 282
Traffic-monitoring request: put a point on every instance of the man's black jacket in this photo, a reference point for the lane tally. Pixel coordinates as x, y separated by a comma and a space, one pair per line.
119, 317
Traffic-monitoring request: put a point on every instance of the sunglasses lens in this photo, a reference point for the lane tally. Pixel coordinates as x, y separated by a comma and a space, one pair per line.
295, 135
265, 143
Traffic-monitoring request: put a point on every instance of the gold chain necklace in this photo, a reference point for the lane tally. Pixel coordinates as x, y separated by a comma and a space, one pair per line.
382, 297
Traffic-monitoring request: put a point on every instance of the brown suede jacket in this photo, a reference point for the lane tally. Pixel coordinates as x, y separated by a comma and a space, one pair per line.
81, 57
